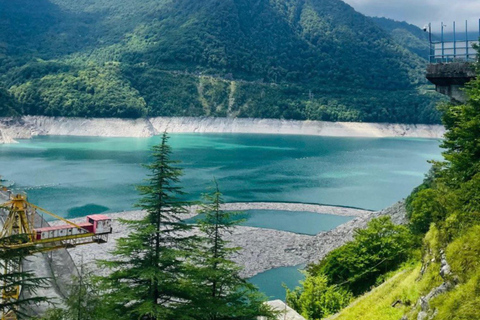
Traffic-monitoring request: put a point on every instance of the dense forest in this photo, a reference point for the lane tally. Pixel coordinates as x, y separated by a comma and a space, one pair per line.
408, 36
293, 59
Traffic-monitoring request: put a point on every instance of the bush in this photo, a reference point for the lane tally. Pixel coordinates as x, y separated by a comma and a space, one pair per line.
425, 209
316, 299
378, 249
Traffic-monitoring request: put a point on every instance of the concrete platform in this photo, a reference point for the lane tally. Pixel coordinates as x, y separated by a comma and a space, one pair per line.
450, 78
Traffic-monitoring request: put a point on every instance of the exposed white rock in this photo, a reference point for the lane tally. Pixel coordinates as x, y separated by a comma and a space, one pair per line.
277, 126
5, 138
285, 312
29, 126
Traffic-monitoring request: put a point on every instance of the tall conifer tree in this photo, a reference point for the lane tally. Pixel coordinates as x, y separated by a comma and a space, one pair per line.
148, 265
219, 291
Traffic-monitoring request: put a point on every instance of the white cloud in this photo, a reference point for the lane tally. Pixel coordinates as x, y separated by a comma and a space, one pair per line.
420, 12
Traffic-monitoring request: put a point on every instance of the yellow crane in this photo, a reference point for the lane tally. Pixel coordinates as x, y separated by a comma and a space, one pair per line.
19, 218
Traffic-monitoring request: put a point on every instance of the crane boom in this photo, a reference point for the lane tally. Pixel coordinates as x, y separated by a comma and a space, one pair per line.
20, 220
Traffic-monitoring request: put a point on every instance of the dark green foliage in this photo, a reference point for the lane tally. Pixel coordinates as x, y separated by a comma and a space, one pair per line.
378, 249
219, 293
294, 59
148, 269
85, 301
316, 300
8, 105
462, 147
426, 207
407, 35
89, 92
14, 277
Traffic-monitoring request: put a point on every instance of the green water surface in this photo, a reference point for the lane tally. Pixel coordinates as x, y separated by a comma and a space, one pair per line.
310, 223
273, 282
73, 176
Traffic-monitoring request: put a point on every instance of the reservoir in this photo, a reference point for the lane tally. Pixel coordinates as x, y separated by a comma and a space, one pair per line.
72, 176
76, 176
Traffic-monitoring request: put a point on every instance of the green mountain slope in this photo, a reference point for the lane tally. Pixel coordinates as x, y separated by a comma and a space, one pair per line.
406, 35
300, 59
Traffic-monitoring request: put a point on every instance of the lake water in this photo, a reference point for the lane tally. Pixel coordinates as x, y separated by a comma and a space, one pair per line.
273, 282
74, 176
311, 223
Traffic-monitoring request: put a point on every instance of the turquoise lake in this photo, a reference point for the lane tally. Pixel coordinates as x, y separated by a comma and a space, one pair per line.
311, 223
73, 176
272, 282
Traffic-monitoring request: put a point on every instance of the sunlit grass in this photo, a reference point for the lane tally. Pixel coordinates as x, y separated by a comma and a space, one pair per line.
377, 304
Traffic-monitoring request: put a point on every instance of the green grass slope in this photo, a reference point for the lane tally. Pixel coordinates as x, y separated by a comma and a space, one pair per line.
377, 304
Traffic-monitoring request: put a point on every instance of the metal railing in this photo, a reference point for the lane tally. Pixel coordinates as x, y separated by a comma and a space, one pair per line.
445, 51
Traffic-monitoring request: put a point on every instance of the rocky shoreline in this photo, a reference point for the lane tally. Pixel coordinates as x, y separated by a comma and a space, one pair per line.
262, 249
27, 127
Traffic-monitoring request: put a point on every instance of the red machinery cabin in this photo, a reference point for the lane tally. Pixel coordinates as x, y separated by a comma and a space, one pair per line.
62, 231
96, 224
101, 223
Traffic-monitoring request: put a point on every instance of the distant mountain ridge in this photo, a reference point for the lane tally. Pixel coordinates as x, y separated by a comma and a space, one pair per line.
407, 35
296, 59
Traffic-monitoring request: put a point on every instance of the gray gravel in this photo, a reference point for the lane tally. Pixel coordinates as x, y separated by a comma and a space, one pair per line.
262, 249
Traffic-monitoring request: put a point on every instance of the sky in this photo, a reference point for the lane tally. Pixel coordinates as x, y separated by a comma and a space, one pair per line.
421, 12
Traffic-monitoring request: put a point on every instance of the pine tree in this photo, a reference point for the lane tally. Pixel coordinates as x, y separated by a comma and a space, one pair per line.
219, 291
85, 301
148, 266
13, 278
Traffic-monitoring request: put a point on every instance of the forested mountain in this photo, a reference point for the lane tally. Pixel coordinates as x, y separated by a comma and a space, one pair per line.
297, 59
406, 35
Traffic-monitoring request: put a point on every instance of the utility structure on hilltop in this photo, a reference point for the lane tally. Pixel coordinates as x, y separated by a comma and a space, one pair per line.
19, 217
452, 57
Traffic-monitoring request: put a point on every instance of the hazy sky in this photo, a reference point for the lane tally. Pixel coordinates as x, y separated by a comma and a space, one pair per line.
420, 12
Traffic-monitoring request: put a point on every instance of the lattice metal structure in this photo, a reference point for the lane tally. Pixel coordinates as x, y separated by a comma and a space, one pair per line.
18, 218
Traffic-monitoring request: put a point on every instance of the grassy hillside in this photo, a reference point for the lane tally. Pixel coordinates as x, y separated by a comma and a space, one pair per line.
297, 59
377, 304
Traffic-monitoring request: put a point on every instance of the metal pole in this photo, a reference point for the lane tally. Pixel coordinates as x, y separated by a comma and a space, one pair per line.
466, 36
432, 52
454, 42
443, 45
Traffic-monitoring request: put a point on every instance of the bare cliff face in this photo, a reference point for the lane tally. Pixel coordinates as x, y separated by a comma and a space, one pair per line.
4, 138
29, 126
